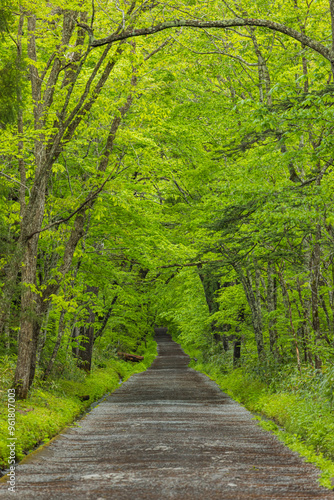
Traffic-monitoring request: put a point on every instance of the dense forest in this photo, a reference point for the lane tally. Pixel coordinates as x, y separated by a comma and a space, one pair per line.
167, 163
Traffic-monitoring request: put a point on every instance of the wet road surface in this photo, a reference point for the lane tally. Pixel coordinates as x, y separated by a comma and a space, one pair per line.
167, 433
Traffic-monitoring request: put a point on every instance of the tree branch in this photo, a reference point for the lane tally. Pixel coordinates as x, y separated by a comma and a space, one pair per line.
106, 318
222, 24
192, 264
61, 221
14, 180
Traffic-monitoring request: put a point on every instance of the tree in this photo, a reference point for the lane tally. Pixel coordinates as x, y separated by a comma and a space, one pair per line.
219, 159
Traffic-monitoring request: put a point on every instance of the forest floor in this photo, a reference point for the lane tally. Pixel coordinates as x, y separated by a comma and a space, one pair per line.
170, 433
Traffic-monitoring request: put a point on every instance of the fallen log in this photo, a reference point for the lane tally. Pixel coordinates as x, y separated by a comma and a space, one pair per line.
130, 357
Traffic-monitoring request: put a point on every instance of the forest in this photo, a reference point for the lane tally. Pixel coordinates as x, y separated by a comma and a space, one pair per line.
170, 164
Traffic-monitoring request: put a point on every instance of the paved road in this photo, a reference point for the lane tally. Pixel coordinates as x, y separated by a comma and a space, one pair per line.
168, 433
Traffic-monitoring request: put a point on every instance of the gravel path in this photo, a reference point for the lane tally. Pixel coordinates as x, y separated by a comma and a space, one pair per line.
167, 433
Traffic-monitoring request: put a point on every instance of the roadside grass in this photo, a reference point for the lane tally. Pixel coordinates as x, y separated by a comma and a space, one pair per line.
54, 404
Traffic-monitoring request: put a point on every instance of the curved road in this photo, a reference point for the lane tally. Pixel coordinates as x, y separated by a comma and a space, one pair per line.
167, 433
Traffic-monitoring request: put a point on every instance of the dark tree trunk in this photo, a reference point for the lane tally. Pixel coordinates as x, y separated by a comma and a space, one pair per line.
315, 278
287, 304
331, 8
272, 306
255, 310
56, 346
46, 153
106, 318
75, 344
304, 328
85, 352
236, 352
211, 285
40, 312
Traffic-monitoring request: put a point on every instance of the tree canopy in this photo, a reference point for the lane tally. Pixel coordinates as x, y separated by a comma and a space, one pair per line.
166, 164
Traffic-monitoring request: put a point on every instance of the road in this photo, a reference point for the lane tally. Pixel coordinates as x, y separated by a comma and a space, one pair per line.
167, 433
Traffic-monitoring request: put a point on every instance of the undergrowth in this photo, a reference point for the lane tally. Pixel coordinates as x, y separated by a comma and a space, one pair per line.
54, 404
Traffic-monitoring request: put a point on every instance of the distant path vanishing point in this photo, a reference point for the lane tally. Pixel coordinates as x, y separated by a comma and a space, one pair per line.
167, 433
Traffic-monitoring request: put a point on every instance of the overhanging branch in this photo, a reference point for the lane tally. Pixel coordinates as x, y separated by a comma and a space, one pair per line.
221, 24
192, 264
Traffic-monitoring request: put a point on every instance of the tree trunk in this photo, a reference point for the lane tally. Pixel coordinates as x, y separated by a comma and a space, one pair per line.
75, 342
304, 328
246, 281
315, 278
264, 76
237, 348
211, 285
42, 338
46, 153
61, 329
31, 223
287, 302
27, 342
106, 318
331, 8
272, 306
85, 352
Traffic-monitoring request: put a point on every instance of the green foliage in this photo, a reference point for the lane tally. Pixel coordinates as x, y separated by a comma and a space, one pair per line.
44, 416
7, 364
182, 303
12, 83
295, 443
192, 188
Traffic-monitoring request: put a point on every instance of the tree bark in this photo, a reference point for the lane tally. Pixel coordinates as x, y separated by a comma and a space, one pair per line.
287, 301
315, 278
237, 348
272, 307
61, 329
246, 281
75, 341
211, 285
221, 24
304, 328
106, 318
85, 352
31, 223
13, 269
29, 331
331, 9
264, 75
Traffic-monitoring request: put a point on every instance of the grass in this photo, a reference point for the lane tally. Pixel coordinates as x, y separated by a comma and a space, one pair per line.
53, 405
